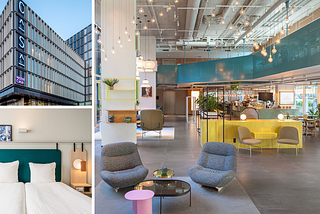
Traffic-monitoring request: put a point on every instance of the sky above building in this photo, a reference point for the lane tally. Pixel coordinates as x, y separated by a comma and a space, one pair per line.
65, 17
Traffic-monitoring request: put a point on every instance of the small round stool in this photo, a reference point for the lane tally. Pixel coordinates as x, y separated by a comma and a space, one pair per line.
141, 201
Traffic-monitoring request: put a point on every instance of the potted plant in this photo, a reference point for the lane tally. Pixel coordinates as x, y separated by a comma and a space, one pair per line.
137, 105
110, 82
111, 118
127, 119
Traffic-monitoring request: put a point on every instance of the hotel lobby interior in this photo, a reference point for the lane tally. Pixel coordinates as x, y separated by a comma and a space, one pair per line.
207, 106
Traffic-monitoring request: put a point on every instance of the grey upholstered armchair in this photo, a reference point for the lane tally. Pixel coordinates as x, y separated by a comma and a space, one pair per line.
288, 135
121, 165
151, 120
216, 166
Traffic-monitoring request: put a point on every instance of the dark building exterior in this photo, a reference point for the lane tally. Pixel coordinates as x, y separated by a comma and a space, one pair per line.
37, 67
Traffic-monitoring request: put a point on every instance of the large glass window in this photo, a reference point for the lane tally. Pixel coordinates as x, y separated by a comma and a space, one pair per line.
310, 98
299, 99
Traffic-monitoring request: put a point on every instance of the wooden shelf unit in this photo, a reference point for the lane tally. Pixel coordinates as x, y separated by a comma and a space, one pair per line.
120, 114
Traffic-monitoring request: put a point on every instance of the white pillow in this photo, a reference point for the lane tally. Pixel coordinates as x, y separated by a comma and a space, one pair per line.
42, 173
9, 172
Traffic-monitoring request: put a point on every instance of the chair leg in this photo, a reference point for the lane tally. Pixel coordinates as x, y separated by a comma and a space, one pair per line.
278, 148
250, 150
238, 146
296, 150
219, 188
261, 147
116, 189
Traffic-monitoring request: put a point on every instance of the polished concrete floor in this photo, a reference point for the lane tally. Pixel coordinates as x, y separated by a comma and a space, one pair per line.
276, 183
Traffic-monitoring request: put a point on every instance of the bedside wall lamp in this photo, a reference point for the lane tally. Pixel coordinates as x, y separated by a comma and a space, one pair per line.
23, 130
80, 164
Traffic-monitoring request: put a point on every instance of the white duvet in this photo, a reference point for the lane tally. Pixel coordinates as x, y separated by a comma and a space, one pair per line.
12, 198
55, 198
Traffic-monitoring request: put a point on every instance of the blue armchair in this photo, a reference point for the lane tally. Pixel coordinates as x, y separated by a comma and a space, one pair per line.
216, 166
121, 165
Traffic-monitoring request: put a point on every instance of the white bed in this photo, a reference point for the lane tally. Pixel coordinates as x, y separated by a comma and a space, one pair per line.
55, 198
12, 198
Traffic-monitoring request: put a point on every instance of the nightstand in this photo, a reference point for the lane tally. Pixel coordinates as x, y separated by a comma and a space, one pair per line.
83, 188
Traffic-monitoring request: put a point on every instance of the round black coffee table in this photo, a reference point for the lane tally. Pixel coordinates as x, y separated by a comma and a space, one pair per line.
165, 188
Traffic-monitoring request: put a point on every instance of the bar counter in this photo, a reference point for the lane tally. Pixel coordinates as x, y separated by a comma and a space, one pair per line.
266, 130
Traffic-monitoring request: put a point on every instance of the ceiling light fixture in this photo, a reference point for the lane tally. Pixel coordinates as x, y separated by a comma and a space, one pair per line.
236, 3
137, 33
282, 31
247, 39
230, 26
113, 51
246, 22
141, 10
176, 1
133, 21
150, 1
292, 10
222, 21
251, 32
213, 14
178, 23
241, 11
274, 50
278, 41
239, 32
153, 20
270, 58
129, 39
287, 20
161, 13
105, 58
126, 31
169, 7
145, 26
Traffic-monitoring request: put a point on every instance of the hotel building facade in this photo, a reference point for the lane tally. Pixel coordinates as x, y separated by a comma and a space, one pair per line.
37, 67
81, 43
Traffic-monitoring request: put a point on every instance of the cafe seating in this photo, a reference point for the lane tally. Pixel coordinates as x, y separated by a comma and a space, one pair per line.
245, 137
311, 128
251, 113
288, 135
151, 120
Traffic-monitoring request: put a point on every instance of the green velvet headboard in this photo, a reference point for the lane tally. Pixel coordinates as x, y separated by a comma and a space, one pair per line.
31, 155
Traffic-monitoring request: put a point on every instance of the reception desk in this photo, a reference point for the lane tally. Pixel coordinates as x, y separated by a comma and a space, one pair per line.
266, 130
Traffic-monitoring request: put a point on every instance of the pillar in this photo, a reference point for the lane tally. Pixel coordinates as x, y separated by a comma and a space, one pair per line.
115, 16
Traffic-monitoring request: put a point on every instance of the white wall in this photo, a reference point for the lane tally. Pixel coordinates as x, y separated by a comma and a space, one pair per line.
121, 65
48, 126
148, 51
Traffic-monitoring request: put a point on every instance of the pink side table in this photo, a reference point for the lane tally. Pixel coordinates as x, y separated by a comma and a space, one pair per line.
141, 201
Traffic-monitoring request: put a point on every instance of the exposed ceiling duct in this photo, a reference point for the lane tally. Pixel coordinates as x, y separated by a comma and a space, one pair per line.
191, 17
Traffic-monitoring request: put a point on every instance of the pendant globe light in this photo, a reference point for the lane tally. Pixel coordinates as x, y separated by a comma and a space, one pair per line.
148, 64
274, 50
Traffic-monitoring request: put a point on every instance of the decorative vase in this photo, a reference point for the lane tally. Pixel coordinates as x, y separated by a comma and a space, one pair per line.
111, 87
137, 107
111, 120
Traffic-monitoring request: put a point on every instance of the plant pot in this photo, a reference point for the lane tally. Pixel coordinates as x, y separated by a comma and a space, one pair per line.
111, 120
111, 87
127, 119
137, 107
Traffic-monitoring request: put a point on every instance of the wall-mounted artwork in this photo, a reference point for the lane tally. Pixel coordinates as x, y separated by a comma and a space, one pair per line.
286, 98
146, 91
5, 133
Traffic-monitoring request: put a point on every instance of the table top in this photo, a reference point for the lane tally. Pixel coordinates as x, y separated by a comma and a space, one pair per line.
159, 174
139, 195
165, 188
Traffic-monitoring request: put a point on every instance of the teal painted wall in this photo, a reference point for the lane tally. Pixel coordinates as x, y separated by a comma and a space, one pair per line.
298, 50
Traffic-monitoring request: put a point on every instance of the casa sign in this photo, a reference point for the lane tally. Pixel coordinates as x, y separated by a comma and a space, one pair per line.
21, 32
